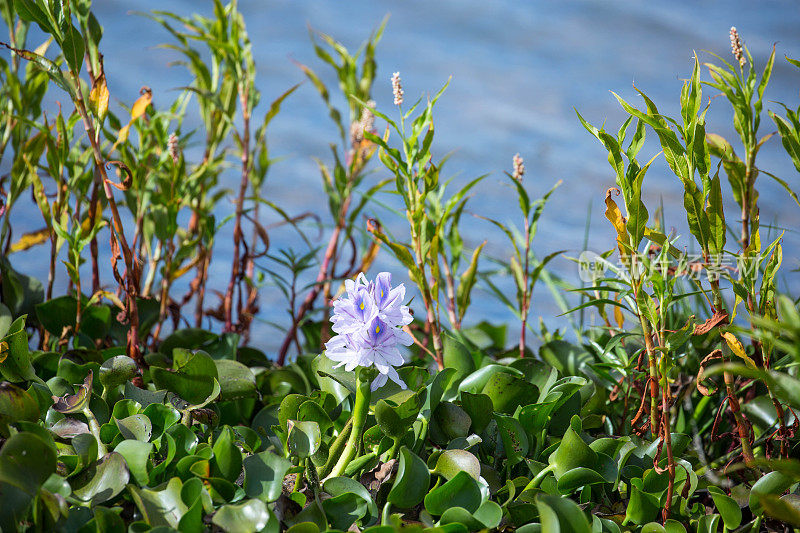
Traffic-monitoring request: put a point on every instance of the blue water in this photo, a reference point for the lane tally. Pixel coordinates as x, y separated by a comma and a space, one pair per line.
518, 69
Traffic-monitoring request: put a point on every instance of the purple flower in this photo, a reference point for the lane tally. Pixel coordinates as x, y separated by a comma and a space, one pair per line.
369, 323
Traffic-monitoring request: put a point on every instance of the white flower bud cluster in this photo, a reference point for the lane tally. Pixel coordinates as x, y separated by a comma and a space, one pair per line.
397, 89
736, 47
519, 167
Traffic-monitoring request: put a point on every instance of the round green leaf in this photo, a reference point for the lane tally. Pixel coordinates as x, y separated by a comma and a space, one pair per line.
117, 370
235, 380
137, 455
728, 508
451, 462
227, 462
245, 517
461, 491
263, 475
561, 515
411, 481
304, 438
102, 480
137, 427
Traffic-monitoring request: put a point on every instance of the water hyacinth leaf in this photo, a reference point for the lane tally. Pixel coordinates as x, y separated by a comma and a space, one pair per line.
643, 507
479, 407
303, 438
451, 462
288, 409
86, 450
161, 417
411, 481
161, 506
263, 475
460, 491
515, 440
142, 396
333, 380
561, 515
16, 404
577, 478
15, 363
572, 451
488, 516
67, 428
137, 457
194, 377
116, 371
708, 523
236, 380
125, 408
565, 357
508, 392
227, 462
396, 420
102, 480
727, 507
455, 355
136, 427
311, 411
21, 292
188, 339
451, 420
344, 510
245, 517
773, 483
341, 485
476, 381
72, 403
59, 313
673, 526
197, 499
26, 461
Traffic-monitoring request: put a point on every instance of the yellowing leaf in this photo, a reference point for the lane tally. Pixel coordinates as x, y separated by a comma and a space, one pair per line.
138, 109
619, 317
98, 97
29, 240
614, 215
737, 348
123, 134
141, 103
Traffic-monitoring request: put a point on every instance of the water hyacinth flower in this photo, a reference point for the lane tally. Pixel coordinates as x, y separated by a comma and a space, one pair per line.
368, 321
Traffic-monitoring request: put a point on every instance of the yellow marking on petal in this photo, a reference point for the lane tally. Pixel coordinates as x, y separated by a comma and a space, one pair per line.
361, 306
377, 329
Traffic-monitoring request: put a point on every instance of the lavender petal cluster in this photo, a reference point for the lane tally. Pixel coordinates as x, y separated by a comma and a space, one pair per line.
368, 323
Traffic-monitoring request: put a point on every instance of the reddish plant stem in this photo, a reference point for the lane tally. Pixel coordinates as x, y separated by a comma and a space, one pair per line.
131, 288
237, 228
666, 430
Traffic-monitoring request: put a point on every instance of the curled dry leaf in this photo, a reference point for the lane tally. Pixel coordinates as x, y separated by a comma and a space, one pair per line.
376, 477
716, 354
720, 318
72, 403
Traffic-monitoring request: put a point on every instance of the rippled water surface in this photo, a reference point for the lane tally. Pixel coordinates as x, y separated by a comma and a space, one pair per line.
518, 69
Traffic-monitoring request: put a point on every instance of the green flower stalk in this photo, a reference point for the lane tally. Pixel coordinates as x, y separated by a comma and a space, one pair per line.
359, 418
